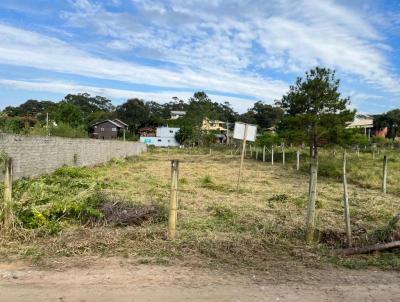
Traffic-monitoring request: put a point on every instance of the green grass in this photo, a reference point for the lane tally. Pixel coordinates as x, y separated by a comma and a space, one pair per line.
258, 226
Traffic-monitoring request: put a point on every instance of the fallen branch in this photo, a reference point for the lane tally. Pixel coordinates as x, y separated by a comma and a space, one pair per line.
369, 248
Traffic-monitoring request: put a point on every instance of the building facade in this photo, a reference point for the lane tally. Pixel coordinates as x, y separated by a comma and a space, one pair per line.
165, 137
108, 129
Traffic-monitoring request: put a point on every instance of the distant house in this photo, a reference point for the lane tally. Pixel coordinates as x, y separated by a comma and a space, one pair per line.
107, 129
147, 132
165, 137
367, 127
177, 114
213, 125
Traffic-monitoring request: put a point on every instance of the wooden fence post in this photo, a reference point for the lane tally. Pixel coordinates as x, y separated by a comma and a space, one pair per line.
310, 220
298, 160
173, 204
242, 156
346, 202
272, 155
7, 218
256, 153
384, 178
283, 154
264, 153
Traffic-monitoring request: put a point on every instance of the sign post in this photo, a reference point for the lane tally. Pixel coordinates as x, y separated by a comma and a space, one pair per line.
245, 132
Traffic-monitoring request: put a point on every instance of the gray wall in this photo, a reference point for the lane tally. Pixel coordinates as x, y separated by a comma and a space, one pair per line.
36, 155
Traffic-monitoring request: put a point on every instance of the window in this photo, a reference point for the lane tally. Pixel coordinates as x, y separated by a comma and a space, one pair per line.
114, 129
102, 129
171, 131
159, 140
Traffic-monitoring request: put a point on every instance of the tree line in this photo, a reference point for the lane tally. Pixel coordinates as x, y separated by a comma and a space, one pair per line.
312, 112
75, 113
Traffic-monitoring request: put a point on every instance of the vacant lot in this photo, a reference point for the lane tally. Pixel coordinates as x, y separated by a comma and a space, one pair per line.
259, 226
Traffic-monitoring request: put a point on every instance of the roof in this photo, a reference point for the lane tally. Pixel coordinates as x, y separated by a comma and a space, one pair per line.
177, 112
109, 121
120, 122
369, 122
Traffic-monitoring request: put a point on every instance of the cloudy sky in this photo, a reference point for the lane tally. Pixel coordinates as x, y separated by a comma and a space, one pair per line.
237, 51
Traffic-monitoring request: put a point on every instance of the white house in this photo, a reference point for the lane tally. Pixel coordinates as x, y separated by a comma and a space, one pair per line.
175, 114
165, 137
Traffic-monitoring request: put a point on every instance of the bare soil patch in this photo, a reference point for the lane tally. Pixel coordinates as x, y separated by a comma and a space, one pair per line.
116, 279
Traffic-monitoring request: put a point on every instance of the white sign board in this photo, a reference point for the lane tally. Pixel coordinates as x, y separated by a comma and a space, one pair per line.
238, 133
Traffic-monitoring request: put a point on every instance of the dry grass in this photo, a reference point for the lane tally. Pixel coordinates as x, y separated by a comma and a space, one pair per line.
261, 225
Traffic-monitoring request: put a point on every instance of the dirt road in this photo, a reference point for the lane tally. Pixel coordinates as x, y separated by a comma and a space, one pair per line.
117, 280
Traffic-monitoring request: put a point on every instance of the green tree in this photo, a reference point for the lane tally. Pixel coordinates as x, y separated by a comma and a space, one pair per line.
89, 104
69, 114
315, 105
135, 113
263, 115
391, 120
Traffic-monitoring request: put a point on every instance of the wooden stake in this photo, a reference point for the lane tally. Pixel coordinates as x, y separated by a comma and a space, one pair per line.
346, 203
310, 220
272, 155
264, 154
7, 218
384, 178
283, 154
256, 153
173, 205
298, 159
242, 157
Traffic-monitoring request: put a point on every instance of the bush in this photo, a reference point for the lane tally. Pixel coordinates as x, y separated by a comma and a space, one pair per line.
72, 172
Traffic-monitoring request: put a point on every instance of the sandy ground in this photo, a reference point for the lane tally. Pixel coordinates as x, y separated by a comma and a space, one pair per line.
117, 280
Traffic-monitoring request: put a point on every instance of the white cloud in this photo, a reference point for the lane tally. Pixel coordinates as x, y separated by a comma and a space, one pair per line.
26, 48
292, 36
240, 104
220, 45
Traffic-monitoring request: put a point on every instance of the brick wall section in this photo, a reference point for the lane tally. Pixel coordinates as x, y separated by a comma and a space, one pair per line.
36, 155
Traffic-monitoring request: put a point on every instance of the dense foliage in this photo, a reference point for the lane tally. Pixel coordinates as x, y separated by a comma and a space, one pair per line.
314, 110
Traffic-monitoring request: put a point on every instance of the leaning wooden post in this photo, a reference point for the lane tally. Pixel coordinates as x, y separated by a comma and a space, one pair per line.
7, 218
272, 155
310, 220
298, 160
384, 178
173, 204
346, 202
264, 153
242, 157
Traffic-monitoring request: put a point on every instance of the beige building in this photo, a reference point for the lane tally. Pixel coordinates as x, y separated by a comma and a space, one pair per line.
213, 125
367, 124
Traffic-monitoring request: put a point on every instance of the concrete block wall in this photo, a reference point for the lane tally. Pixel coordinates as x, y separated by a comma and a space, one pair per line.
37, 155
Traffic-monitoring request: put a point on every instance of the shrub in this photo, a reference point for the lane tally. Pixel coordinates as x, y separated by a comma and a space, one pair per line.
72, 172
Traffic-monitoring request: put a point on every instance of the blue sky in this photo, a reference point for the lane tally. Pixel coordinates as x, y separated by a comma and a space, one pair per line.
237, 51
